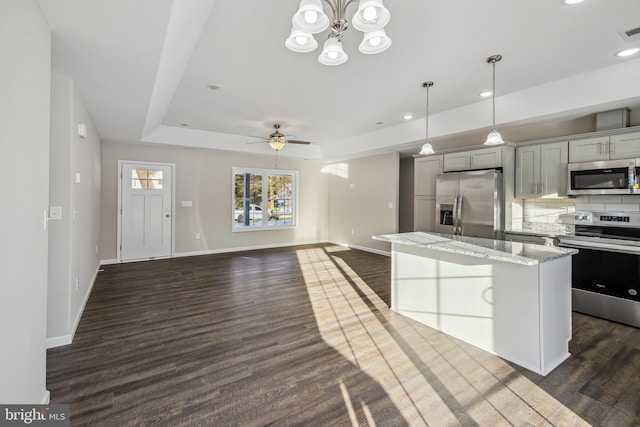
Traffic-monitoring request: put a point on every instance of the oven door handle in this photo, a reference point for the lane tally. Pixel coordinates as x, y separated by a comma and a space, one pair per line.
634, 250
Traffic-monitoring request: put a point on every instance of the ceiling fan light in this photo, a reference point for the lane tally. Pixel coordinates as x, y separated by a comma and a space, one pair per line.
308, 9
277, 143
427, 148
294, 40
494, 138
371, 16
374, 42
332, 53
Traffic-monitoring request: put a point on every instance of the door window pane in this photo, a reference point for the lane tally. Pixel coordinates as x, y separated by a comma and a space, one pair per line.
146, 179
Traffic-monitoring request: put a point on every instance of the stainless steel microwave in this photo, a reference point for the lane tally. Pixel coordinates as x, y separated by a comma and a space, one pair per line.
604, 177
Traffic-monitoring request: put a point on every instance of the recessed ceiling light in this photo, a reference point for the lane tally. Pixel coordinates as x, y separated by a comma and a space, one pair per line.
379, 123
185, 124
628, 52
407, 117
214, 86
572, 1
486, 94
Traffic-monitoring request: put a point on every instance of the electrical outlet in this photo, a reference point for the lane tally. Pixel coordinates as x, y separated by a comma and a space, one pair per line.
197, 236
353, 231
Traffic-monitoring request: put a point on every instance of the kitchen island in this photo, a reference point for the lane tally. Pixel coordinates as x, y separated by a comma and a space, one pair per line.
509, 298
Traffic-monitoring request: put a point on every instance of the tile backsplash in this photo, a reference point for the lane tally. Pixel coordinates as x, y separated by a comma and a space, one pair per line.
544, 214
629, 203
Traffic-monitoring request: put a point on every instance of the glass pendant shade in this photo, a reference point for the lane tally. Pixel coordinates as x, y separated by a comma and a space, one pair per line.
332, 53
427, 148
310, 17
375, 42
371, 16
277, 142
299, 41
494, 138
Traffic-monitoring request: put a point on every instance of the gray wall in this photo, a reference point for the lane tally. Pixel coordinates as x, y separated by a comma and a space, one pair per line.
204, 178
73, 243
25, 85
360, 191
406, 195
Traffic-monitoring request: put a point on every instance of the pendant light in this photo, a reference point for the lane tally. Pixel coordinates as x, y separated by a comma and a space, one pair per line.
427, 148
494, 137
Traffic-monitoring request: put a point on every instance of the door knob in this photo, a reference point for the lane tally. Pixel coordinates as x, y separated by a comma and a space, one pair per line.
168, 215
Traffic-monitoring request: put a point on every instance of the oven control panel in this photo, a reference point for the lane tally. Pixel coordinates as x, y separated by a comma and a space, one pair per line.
609, 219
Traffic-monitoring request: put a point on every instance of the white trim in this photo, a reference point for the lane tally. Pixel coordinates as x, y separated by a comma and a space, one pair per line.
362, 248
108, 261
119, 211
247, 248
62, 340
46, 398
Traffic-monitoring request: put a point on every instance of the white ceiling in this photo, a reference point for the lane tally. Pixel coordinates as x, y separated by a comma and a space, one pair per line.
142, 68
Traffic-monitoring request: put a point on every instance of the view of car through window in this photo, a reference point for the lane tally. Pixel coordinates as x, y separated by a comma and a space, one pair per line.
251, 187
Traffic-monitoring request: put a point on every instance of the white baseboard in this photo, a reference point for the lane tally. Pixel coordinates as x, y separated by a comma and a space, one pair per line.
61, 340
362, 248
246, 248
108, 261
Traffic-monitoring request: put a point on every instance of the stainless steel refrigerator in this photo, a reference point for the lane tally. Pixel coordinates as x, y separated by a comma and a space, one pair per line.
470, 204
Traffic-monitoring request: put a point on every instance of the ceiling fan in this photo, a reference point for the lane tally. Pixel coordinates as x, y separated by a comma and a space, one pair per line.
278, 140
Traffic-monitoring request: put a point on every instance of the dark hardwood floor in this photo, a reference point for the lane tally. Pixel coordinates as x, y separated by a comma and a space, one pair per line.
302, 336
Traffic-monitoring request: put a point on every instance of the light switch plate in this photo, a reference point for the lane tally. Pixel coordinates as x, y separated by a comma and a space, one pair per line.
77, 178
187, 203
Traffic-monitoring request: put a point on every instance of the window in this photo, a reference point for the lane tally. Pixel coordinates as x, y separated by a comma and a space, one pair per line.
144, 179
264, 199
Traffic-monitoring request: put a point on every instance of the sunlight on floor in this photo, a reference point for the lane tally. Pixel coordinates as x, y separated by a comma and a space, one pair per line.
431, 378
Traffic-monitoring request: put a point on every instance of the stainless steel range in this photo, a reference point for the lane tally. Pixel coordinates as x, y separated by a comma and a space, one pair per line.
606, 271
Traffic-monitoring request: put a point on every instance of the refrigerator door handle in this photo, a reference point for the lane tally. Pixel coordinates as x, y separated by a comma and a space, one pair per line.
459, 214
455, 214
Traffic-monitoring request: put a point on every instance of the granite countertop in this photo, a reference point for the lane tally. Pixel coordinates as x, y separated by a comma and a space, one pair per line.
496, 250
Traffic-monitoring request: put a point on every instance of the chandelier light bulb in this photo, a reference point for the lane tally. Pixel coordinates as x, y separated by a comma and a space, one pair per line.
370, 13
310, 16
332, 54
301, 40
375, 41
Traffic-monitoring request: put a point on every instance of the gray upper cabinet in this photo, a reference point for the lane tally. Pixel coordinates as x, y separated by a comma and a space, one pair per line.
541, 170
425, 171
482, 158
605, 148
624, 146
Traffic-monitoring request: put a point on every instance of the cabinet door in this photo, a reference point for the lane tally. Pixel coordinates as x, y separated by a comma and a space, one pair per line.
589, 150
527, 171
624, 146
424, 217
553, 169
456, 161
486, 158
425, 172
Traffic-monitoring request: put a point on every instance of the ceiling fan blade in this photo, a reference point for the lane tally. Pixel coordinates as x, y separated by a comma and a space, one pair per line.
293, 141
258, 137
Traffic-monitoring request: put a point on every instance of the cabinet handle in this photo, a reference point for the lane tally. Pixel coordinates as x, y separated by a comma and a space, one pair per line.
612, 147
602, 148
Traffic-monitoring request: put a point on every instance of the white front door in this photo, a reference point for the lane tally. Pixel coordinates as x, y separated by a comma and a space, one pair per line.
146, 210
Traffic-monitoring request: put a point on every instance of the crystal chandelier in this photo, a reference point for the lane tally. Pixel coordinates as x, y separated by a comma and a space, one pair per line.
370, 18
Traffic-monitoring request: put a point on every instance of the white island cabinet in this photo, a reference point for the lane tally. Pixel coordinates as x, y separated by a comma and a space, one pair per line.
509, 298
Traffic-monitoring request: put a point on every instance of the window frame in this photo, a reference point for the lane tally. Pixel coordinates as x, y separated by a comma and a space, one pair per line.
265, 173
